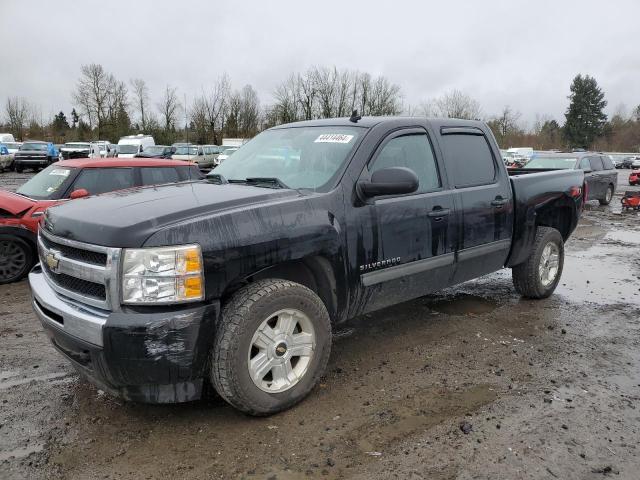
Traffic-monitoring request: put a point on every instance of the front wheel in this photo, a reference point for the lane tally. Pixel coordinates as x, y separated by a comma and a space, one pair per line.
271, 347
16, 259
539, 275
19, 169
607, 196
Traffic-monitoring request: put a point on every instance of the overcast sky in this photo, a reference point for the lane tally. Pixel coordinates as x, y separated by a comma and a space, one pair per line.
522, 53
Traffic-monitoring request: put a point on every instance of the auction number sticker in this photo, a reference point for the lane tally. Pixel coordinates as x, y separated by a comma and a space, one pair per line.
61, 172
333, 138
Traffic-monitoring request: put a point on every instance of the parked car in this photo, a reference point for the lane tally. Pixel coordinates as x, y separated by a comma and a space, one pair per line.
226, 153
131, 145
13, 147
195, 153
6, 137
600, 175
75, 150
635, 162
238, 280
626, 162
21, 212
6, 159
634, 178
35, 155
213, 151
157, 151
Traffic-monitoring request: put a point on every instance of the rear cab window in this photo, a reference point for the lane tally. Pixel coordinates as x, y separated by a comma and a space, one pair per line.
469, 159
595, 163
608, 163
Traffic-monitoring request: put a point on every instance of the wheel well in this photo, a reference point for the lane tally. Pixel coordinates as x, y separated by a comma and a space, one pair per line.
314, 273
556, 217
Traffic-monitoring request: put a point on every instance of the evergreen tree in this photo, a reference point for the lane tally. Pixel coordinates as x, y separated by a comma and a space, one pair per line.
585, 118
74, 118
60, 123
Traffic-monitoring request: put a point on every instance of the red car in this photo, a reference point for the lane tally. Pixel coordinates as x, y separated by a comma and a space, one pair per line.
634, 178
21, 212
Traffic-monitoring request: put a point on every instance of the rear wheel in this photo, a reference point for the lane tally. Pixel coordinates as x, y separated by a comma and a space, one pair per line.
539, 275
19, 168
16, 259
607, 196
271, 346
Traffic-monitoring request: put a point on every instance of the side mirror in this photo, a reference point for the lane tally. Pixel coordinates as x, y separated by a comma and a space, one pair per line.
80, 193
390, 181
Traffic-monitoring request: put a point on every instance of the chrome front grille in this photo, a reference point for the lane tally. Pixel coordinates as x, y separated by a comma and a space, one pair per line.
80, 271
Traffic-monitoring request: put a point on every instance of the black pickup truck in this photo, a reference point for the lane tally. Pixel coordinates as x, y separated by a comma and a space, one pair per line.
237, 281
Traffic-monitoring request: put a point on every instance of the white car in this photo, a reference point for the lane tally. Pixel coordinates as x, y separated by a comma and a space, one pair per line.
635, 162
226, 153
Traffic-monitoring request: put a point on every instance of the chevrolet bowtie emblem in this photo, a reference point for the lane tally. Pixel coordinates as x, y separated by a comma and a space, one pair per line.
52, 261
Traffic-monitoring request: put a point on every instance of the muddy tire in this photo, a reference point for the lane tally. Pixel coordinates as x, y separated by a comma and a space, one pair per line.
539, 275
271, 346
608, 195
16, 259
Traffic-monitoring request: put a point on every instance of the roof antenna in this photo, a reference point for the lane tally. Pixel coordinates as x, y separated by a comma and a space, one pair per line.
354, 117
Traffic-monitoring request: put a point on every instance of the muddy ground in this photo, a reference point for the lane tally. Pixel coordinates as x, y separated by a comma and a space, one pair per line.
473, 383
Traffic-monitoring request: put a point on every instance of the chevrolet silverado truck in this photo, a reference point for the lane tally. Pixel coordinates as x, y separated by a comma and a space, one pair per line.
35, 155
237, 281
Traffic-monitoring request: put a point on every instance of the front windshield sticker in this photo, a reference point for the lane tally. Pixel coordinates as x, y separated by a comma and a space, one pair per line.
61, 172
333, 138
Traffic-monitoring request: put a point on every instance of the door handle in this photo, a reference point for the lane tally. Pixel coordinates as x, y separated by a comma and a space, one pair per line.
499, 202
438, 212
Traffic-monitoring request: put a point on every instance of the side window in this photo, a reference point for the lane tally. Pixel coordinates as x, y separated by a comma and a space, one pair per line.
608, 163
596, 163
102, 180
412, 151
584, 164
469, 159
155, 176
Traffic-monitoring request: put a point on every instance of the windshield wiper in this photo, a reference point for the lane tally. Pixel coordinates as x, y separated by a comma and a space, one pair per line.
268, 182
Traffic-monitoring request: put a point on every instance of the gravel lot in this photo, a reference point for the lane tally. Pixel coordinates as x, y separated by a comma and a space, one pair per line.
472, 383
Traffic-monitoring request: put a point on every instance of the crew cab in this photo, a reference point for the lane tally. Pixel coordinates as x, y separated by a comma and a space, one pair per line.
35, 155
600, 174
238, 281
21, 212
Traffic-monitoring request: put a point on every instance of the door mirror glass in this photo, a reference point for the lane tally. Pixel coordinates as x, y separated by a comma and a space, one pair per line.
80, 193
390, 181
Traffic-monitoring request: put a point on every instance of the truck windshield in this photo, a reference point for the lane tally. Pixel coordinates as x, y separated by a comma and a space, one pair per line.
552, 162
302, 157
34, 146
46, 183
127, 149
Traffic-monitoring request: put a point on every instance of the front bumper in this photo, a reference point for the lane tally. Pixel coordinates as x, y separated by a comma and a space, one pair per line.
31, 161
152, 356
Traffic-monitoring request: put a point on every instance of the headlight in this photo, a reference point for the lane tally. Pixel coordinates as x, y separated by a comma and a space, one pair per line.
162, 275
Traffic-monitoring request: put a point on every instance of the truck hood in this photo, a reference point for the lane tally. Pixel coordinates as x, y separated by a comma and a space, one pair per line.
31, 152
127, 218
14, 203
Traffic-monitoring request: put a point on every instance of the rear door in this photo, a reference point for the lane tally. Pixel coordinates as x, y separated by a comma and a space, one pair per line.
483, 200
598, 176
415, 249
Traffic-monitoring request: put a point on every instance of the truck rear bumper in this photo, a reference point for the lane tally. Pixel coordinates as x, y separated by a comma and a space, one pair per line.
151, 356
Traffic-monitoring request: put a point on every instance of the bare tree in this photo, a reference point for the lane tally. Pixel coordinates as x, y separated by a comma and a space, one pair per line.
287, 100
169, 108
457, 104
141, 100
249, 114
92, 93
18, 111
199, 119
216, 104
508, 121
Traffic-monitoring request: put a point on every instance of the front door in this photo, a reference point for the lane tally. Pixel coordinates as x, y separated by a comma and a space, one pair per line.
415, 251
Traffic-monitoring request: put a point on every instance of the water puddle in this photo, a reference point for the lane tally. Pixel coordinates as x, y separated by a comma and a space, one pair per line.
462, 304
606, 273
